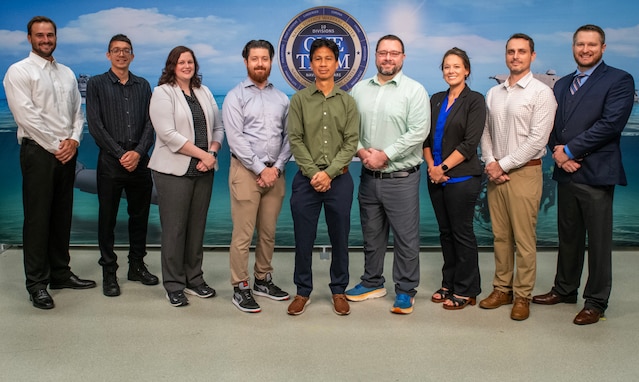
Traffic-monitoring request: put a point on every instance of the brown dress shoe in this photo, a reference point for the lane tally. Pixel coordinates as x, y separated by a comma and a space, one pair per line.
521, 309
496, 299
552, 298
588, 316
340, 305
298, 305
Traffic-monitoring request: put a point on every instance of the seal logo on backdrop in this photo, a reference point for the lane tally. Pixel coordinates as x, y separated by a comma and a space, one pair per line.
323, 22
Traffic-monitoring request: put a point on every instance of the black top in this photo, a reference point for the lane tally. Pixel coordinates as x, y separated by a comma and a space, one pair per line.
118, 115
462, 131
199, 125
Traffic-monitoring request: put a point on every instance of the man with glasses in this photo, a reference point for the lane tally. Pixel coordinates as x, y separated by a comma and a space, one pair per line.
46, 105
395, 120
118, 118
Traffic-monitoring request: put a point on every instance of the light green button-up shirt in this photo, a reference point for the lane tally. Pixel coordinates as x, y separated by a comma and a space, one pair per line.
323, 131
395, 118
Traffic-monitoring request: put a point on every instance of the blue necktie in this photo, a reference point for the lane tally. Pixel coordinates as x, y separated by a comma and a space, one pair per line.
576, 83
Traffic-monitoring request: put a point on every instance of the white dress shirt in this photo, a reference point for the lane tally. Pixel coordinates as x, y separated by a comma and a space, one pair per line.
519, 120
45, 101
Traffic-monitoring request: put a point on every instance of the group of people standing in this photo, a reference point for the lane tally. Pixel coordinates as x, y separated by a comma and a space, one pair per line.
387, 121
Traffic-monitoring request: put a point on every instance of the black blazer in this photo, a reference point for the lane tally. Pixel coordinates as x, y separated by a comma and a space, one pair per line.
462, 131
590, 122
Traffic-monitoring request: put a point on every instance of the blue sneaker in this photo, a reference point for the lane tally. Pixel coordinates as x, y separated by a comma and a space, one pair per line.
403, 304
361, 293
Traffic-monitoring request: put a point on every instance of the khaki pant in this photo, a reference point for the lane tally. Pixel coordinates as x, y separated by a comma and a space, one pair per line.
252, 207
514, 206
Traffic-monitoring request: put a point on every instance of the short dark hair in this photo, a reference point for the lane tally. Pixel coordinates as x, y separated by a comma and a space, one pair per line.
590, 28
390, 37
119, 37
41, 19
168, 73
258, 44
323, 42
523, 36
459, 53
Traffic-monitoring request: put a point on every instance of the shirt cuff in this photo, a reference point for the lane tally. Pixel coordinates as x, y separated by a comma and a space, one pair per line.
567, 151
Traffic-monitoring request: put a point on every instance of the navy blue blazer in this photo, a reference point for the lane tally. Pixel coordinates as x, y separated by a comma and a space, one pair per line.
462, 130
590, 122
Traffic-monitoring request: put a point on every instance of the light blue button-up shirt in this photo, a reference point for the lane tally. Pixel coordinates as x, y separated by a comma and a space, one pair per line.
256, 127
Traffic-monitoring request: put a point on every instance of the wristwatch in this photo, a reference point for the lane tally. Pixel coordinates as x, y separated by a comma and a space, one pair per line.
444, 167
214, 153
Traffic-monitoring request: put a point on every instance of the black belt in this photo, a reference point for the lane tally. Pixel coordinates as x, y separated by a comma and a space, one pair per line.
390, 175
267, 164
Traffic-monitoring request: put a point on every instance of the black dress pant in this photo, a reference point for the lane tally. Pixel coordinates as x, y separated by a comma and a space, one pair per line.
47, 197
112, 179
584, 210
454, 206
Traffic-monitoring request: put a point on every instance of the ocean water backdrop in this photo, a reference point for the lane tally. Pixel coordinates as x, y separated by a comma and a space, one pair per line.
219, 226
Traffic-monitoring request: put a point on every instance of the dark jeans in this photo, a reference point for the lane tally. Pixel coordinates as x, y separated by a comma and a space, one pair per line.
47, 197
112, 179
454, 206
306, 204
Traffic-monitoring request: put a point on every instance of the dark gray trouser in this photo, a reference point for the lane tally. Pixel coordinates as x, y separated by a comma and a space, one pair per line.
183, 202
384, 205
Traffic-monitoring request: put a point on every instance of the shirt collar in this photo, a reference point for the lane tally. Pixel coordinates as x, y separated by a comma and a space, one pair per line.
41, 62
589, 71
523, 82
397, 79
247, 83
336, 90
115, 79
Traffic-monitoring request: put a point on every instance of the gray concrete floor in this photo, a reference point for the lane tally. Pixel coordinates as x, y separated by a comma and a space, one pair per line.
138, 336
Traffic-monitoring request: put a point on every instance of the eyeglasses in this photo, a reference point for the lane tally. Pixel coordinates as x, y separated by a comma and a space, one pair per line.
117, 51
393, 53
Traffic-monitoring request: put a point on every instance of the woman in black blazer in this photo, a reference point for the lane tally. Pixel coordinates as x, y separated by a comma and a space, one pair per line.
454, 179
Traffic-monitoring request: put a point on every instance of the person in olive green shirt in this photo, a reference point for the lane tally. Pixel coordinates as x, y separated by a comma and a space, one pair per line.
323, 124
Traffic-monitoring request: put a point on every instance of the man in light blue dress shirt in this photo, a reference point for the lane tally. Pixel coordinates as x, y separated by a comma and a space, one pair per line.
255, 115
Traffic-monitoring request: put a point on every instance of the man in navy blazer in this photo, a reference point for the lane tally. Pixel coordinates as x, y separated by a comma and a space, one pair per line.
594, 105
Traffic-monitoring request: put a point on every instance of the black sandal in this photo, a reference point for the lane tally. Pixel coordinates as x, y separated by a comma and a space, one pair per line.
459, 302
443, 293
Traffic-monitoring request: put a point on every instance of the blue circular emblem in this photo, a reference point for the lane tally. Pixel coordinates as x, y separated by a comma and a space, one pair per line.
323, 22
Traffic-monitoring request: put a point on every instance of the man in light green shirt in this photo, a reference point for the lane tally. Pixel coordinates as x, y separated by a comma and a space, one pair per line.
323, 125
395, 121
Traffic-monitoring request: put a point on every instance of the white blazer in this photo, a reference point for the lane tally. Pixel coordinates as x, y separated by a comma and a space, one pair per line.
173, 124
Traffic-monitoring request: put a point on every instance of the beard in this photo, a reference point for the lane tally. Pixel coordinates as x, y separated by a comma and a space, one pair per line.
261, 76
388, 72
48, 52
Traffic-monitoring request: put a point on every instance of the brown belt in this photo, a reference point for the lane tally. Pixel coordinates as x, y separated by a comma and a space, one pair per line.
534, 162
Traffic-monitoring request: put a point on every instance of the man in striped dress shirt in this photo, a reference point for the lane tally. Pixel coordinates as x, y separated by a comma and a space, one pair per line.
118, 118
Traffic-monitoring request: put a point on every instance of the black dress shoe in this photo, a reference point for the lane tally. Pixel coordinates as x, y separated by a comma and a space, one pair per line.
552, 298
73, 282
588, 316
41, 299
139, 272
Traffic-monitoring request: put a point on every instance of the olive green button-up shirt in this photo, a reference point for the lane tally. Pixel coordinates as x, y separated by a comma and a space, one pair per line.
323, 130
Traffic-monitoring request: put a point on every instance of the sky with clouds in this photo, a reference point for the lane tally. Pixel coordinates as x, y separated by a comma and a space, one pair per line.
217, 30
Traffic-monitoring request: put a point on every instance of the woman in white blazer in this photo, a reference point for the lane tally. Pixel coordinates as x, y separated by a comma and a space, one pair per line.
189, 134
